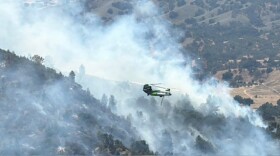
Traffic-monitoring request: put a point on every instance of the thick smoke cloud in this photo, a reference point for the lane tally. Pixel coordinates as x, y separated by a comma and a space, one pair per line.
140, 47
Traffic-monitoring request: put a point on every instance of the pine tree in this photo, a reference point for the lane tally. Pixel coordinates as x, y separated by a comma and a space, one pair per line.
104, 100
112, 102
72, 75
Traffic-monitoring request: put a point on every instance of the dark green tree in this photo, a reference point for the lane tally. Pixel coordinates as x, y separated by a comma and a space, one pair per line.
203, 145
112, 102
268, 111
37, 59
227, 76
140, 148
238, 98
248, 101
72, 76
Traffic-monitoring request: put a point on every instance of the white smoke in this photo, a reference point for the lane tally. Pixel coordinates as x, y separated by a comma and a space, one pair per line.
123, 51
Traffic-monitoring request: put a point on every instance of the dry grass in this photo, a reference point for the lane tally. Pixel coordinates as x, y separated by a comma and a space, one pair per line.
269, 91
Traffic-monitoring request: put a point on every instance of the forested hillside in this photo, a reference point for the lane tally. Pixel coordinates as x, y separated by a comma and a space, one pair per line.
121, 45
45, 112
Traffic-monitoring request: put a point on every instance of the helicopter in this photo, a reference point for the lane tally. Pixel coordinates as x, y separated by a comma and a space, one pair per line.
147, 88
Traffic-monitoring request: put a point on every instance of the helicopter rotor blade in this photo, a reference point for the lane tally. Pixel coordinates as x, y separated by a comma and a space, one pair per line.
155, 84
161, 87
134, 82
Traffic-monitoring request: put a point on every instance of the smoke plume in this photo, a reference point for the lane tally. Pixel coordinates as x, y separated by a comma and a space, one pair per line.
137, 48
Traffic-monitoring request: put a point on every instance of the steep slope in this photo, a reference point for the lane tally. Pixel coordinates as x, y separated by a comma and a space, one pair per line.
43, 112
206, 121
176, 127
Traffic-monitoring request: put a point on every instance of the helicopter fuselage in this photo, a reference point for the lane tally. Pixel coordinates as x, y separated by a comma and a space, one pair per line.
148, 89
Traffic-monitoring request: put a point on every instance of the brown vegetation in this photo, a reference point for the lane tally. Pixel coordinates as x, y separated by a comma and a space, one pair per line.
269, 91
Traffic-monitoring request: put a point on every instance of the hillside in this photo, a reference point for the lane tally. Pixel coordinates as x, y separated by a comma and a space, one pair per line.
212, 32
101, 109
44, 112
221, 35
241, 36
